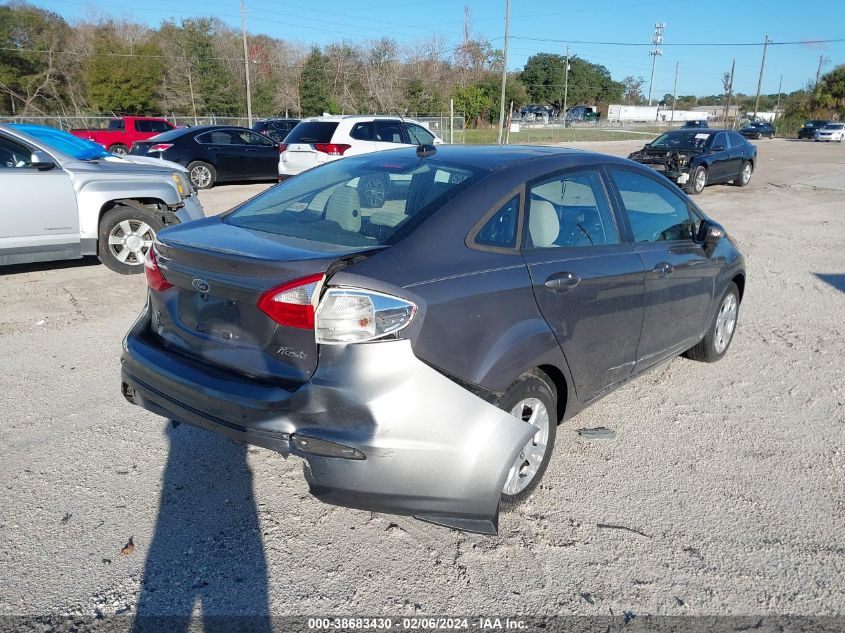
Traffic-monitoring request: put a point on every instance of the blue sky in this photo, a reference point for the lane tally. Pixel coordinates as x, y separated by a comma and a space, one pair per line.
547, 27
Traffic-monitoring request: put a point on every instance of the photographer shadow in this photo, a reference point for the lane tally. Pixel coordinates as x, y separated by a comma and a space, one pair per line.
207, 553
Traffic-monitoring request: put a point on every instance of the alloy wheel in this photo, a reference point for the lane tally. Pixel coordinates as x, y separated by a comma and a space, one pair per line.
746, 173
201, 176
374, 192
725, 323
527, 463
130, 241
700, 180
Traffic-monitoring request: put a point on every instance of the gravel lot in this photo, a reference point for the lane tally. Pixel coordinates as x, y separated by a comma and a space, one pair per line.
721, 492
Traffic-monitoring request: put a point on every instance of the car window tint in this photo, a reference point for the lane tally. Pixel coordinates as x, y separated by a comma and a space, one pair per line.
500, 230
419, 135
13, 155
334, 204
362, 131
736, 139
116, 124
159, 126
570, 210
387, 131
143, 126
719, 139
312, 132
655, 212
250, 138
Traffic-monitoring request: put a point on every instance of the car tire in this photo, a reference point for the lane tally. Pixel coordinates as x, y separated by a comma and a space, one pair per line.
720, 331
202, 175
533, 398
745, 174
697, 181
372, 190
119, 149
126, 234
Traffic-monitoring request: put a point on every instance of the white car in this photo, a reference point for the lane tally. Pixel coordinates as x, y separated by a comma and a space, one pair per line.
831, 132
323, 139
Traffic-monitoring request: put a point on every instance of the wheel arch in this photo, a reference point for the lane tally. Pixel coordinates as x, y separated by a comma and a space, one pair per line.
561, 386
739, 280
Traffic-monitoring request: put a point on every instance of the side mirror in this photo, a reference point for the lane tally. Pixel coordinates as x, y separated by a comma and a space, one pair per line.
41, 160
709, 233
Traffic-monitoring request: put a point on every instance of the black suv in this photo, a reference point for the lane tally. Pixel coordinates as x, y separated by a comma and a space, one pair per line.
276, 129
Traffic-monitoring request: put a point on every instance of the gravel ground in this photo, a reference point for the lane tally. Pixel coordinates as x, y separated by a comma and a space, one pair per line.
720, 491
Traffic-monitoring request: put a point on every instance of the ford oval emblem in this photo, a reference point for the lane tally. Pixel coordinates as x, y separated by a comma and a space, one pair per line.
201, 285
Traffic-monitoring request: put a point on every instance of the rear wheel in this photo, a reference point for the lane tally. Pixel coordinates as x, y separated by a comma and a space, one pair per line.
125, 237
698, 181
744, 174
372, 190
119, 149
202, 174
532, 399
721, 330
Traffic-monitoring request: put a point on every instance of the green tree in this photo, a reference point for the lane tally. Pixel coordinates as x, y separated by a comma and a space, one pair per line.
830, 92
314, 96
123, 78
473, 101
544, 77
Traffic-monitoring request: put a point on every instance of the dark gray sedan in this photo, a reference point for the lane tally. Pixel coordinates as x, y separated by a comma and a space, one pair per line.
418, 356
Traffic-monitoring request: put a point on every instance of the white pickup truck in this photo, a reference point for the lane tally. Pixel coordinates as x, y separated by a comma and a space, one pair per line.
63, 197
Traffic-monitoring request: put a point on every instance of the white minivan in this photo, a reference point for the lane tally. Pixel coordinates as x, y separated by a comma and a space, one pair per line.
323, 139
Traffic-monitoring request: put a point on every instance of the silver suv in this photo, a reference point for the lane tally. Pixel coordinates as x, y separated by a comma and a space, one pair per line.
65, 197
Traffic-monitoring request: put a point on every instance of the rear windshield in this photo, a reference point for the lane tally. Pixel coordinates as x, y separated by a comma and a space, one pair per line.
79, 148
694, 139
312, 132
365, 201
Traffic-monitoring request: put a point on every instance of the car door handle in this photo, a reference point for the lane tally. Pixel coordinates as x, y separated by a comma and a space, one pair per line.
663, 269
562, 282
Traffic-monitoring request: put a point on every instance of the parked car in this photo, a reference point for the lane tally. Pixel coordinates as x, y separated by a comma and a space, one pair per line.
215, 153
121, 132
581, 113
810, 127
66, 197
758, 130
698, 123
831, 132
696, 158
276, 129
419, 356
323, 139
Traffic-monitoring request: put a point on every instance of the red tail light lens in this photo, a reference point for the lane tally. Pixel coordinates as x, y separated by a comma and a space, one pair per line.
155, 279
332, 149
159, 147
290, 304
283, 147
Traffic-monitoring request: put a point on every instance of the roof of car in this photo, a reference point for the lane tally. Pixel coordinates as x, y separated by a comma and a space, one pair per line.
366, 117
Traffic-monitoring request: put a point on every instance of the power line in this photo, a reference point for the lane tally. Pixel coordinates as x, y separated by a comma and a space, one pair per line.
771, 42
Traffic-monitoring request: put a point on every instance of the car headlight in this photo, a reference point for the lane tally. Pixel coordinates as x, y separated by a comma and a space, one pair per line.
183, 185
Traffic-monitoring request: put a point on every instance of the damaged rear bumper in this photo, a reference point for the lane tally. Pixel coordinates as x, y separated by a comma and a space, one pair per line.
407, 439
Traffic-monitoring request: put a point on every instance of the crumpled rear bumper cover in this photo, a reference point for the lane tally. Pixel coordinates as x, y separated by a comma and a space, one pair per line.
432, 449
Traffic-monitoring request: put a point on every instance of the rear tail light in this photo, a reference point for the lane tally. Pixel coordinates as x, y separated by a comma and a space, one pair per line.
349, 315
283, 147
155, 279
291, 304
159, 147
332, 149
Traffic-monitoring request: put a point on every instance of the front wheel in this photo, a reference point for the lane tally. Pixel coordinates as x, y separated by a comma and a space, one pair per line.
202, 174
721, 330
698, 181
125, 237
532, 399
119, 149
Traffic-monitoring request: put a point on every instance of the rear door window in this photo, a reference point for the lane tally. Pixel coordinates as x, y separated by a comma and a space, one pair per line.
570, 210
388, 132
312, 132
362, 131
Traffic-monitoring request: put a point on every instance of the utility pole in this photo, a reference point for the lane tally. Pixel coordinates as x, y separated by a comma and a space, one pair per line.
504, 72
760, 78
675, 92
822, 62
565, 85
657, 40
780, 87
730, 90
246, 65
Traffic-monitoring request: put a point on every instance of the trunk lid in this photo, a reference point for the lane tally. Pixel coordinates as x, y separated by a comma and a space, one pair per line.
300, 156
219, 272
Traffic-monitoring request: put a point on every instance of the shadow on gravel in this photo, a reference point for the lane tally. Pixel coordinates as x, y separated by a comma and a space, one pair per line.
207, 550
837, 281
16, 269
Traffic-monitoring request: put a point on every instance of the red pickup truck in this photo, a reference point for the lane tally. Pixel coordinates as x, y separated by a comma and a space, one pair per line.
120, 133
